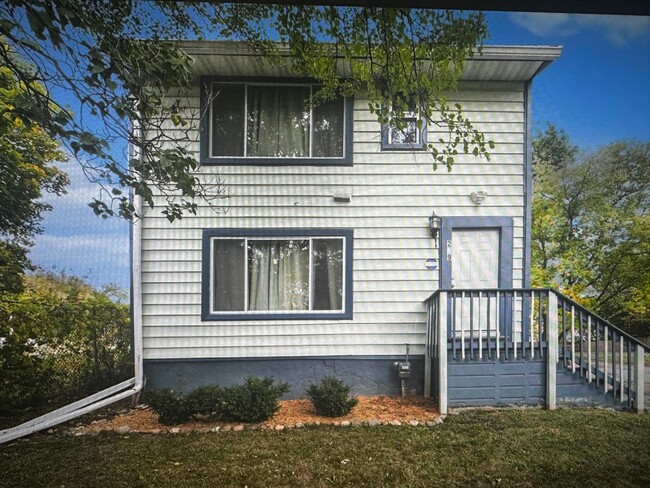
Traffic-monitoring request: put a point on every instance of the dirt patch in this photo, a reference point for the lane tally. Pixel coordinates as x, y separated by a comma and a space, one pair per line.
292, 413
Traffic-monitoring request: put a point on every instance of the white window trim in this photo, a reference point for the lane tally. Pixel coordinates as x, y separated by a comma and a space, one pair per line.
418, 132
253, 313
311, 124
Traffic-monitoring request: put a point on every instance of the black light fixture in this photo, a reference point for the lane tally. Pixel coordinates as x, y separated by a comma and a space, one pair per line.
435, 223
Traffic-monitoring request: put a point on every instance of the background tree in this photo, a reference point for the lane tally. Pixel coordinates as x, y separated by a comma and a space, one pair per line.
27, 157
591, 227
553, 147
109, 56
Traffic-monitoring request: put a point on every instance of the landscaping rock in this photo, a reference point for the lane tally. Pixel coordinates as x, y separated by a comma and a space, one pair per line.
299, 425
345, 423
414, 423
216, 428
122, 429
395, 422
440, 420
175, 430
226, 428
374, 422
238, 428
279, 427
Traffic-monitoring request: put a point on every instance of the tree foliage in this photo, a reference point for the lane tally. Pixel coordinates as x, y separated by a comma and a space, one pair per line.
27, 154
60, 340
591, 227
553, 148
111, 56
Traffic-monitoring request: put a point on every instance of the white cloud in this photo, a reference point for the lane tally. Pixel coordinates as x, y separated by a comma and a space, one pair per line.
100, 258
80, 192
619, 29
76, 241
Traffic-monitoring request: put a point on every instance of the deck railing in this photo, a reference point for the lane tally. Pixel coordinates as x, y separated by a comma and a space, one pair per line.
605, 356
531, 324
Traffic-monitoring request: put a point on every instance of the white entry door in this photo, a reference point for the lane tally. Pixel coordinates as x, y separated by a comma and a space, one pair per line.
475, 265
475, 258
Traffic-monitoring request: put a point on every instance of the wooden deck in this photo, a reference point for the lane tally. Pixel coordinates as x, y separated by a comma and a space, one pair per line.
527, 346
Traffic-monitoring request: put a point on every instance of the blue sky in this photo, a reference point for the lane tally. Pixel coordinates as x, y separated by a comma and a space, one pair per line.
598, 91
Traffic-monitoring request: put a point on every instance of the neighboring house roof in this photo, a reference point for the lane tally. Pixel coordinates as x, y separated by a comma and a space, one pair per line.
494, 63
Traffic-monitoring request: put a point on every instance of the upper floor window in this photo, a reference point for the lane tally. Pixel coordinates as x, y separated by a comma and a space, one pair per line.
410, 134
271, 123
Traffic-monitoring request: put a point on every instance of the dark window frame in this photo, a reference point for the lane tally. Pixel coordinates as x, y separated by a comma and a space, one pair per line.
387, 145
204, 128
206, 285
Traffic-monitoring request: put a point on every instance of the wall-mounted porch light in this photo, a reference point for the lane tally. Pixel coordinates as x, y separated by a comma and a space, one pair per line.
435, 223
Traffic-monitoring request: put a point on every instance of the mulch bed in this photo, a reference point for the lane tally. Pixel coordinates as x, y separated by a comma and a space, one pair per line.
293, 413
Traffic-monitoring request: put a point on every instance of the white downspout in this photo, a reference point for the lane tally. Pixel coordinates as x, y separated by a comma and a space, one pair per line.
136, 300
116, 392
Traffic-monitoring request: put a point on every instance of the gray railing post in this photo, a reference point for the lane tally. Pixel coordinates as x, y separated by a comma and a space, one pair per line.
551, 356
442, 352
427, 353
639, 376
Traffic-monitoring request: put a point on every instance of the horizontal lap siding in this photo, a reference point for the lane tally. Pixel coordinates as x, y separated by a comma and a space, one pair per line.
392, 196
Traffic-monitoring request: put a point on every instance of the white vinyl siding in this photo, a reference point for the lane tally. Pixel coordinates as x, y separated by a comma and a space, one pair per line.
393, 194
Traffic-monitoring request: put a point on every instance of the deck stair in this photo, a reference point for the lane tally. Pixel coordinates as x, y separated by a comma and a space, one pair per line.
530, 346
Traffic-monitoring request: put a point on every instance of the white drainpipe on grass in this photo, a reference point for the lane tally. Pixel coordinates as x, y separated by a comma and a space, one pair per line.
115, 393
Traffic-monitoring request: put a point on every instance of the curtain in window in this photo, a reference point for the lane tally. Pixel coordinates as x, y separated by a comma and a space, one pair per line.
278, 124
328, 274
328, 129
278, 275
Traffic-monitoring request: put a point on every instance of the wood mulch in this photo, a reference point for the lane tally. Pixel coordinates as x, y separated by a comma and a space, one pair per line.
412, 410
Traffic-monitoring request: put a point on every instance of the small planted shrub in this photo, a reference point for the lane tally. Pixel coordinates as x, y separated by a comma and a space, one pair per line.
172, 407
332, 397
254, 401
206, 400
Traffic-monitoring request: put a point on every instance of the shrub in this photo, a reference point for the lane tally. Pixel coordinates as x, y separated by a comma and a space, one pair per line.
206, 400
60, 340
172, 408
254, 401
332, 398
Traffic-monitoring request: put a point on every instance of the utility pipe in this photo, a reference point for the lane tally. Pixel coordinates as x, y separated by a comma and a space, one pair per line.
114, 393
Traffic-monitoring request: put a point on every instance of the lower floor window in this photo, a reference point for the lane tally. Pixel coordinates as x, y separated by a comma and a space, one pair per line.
285, 272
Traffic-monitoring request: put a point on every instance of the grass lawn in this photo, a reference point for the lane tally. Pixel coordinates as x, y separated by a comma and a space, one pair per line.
568, 447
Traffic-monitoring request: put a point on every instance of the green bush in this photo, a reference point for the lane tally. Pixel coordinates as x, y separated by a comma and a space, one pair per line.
332, 398
206, 400
172, 408
62, 340
254, 401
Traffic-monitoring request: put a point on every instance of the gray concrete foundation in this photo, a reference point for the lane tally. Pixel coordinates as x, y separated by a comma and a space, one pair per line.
365, 375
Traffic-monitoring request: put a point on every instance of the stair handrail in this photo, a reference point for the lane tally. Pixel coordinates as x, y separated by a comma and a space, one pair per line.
606, 322
584, 309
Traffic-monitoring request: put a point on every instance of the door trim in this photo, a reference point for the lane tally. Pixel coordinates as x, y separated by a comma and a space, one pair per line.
503, 224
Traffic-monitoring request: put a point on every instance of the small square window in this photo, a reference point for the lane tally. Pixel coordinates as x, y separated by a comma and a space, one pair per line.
407, 137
